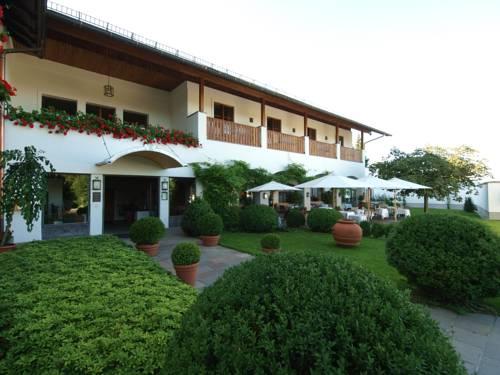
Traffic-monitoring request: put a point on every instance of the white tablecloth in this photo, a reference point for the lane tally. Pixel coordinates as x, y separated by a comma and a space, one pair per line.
383, 213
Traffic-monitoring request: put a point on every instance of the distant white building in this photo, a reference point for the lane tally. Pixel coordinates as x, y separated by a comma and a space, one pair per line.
488, 200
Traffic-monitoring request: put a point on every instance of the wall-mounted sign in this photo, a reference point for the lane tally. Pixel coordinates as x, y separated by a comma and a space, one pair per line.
96, 196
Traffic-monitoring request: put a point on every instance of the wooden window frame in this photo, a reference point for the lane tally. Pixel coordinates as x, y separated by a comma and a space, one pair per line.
62, 99
312, 130
137, 113
341, 140
223, 111
269, 118
100, 108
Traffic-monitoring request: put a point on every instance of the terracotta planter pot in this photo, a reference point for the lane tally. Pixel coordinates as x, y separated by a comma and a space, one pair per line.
4, 249
209, 240
187, 273
151, 250
347, 233
270, 251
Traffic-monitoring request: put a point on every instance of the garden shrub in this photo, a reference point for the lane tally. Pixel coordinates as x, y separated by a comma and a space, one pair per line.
86, 305
453, 258
147, 231
469, 206
258, 218
270, 241
231, 218
295, 218
210, 225
322, 220
366, 226
190, 220
185, 253
378, 230
298, 313
389, 228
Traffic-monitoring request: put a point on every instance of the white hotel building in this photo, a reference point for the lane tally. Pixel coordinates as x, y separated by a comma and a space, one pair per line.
62, 59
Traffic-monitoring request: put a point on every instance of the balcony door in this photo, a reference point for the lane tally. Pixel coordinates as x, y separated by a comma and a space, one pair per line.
311, 133
274, 124
223, 112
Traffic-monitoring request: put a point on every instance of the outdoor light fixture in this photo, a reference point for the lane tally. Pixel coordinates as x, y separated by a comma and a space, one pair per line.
96, 184
109, 90
266, 196
164, 196
307, 195
164, 185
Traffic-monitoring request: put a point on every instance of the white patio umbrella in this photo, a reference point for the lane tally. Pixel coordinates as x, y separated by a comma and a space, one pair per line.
406, 185
272, 186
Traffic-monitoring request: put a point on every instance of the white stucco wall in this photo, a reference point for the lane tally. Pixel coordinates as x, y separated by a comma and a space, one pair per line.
34, 77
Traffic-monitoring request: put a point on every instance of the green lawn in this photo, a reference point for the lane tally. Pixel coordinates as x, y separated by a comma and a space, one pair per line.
370, 254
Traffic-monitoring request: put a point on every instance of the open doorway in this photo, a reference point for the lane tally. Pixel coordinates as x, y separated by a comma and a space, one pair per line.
127, 199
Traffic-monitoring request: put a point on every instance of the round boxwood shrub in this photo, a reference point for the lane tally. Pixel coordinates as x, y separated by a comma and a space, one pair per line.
322, 220
231, 218
147, 231
190, 220
301, 313
389, 228
378, 230
366, 227
295, 218
258, 218
453, 258
270, 241
185, 253
210, 225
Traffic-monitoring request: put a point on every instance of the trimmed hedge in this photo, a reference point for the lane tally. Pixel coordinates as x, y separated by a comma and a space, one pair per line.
270, 241
295, 218
300, 313
322, 220
366, 227
378, 230
86, 305
147, 231
231, 218
258, 219
185, 253
453, 258
210, 225
194, 212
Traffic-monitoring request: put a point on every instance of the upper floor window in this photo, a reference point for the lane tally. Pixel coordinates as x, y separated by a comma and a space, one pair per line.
311, 133
59, 104
274, 124
341, 140
100, 111
223, 112
135, 118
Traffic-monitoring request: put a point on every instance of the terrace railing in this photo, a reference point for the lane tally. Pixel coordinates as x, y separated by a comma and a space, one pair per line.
327, 150
228, 131
351, 154
285, 142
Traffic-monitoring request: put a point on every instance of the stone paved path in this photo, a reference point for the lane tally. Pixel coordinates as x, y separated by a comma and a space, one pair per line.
475, 336
214, 260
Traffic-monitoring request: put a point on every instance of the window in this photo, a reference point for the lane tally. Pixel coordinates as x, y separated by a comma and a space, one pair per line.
100, 111
311, 133
341, 140
224, 112
58, 104
135, 118
274, 124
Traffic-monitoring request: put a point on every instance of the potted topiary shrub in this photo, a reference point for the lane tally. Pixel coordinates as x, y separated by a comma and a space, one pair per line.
210, 228
270, 243
194, 212
186, 258
24, 188
146, 234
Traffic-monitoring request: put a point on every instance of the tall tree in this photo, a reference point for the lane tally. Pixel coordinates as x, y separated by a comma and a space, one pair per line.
446, 171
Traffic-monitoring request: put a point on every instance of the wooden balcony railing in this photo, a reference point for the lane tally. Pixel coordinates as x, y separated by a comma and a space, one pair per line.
285, 142
351, 154
228, 131
326, 150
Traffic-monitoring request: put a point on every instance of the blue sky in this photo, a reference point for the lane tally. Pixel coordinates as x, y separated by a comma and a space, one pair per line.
428, 72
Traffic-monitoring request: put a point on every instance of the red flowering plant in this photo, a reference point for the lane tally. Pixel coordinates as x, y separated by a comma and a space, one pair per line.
61, 123
6, 91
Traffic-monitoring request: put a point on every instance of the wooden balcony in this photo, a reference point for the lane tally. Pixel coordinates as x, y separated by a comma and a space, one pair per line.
285, 142
351, 154
228, 131
326, 150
